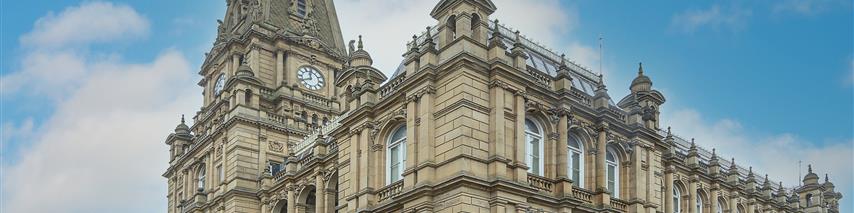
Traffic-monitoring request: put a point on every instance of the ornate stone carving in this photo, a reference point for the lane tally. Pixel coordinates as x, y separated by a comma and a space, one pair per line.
276, 146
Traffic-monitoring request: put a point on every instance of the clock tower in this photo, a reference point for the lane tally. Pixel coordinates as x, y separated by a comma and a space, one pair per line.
267, 84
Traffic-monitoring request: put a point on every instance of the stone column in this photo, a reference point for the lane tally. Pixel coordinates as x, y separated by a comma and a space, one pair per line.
751, 206
356, 175
561, 146
409, 176
603, 197
280, 68
668, 189
291, 198
733, 206
563, 175
424, 124
601, 147
497, 142
235, 63
320, 193
692, 192
713, 198
521, 165
367, 166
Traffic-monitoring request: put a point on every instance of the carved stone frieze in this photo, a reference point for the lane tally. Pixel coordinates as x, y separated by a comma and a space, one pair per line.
276, 146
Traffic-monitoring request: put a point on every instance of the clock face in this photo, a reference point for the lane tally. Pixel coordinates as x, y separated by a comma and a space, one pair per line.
220, 81
310, 78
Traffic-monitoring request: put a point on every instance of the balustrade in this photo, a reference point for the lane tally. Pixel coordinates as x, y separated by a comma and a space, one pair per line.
582, 194
540, 183
619, 204
389, 191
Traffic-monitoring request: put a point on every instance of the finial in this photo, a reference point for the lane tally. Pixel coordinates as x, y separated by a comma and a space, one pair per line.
766, 178
826, 178
692, 143
781, 185
496, 25
360, 42
563, 59
518, 37
414, 39
809, 168
182, 118
713, 152
750, 170
640, 68
429, 36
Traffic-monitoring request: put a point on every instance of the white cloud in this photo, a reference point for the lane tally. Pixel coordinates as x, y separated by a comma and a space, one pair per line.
809, 7
87, 23
52, 64
733, 19
386, 25
101, 149
776, 155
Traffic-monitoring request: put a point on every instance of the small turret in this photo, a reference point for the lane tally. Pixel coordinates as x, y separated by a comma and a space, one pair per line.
601, 99
693, 155
751, 180
360, 57
182, 129
811, 178
179, 140
781, 193
518, 53
828, 186
643, 101
563, 80
766, 187
732, 177
714, 164
641, 83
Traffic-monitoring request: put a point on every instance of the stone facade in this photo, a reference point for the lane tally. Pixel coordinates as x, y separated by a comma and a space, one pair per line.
476, 119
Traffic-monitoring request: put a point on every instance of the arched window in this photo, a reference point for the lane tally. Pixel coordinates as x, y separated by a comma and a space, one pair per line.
452, 27
304, 116
740, 209
314, 120
301, 8
475, 26
325, 121
247, 96
612, 167
699, 202
534, 147
201, 177
677, 197
396, 155
809, 200
576, 160
720, 206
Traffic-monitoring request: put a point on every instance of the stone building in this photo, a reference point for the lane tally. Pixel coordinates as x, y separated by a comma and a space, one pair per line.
477, 118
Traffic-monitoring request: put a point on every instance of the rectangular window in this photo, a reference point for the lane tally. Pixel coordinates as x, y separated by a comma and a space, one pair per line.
220, 173
274, 167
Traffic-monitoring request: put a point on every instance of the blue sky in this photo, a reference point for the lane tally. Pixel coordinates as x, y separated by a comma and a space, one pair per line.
775, 75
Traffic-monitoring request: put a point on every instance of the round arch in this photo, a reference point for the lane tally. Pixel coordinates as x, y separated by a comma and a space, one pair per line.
281, 206
307, 198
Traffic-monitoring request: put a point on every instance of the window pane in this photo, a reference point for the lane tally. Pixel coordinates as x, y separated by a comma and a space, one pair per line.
530, 126
394, 155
